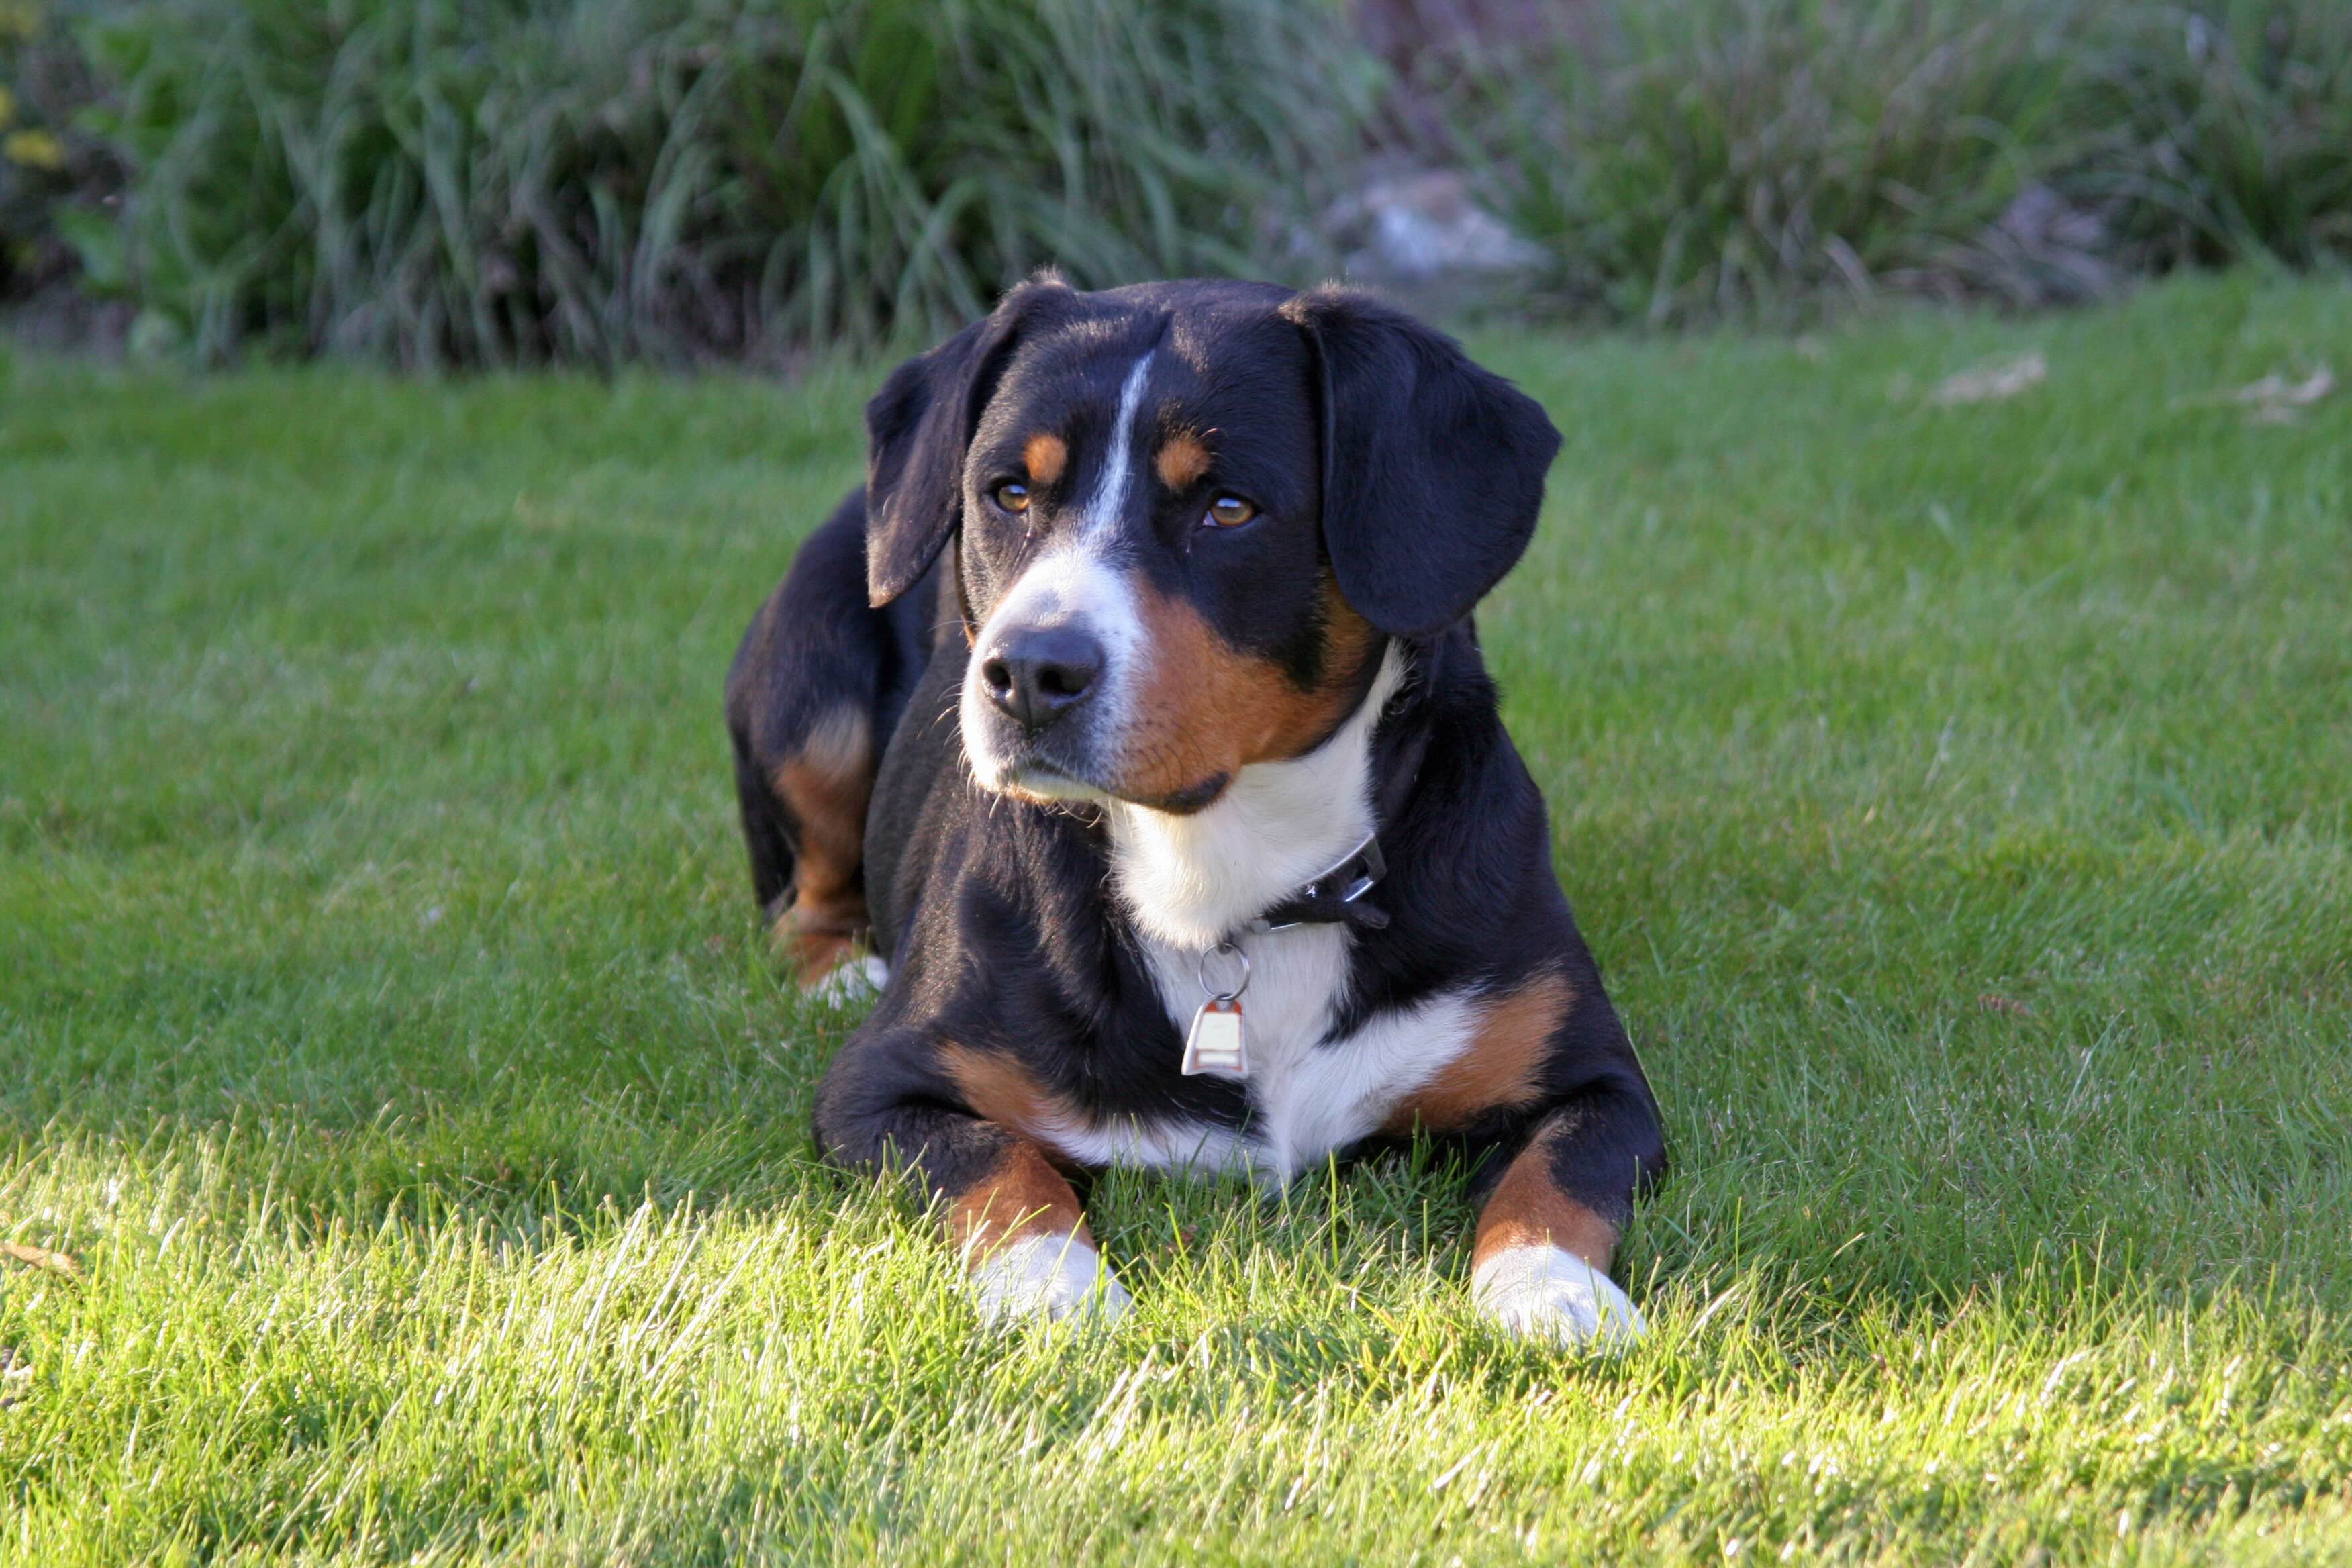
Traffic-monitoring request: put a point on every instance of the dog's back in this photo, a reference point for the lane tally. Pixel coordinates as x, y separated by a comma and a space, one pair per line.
818, 688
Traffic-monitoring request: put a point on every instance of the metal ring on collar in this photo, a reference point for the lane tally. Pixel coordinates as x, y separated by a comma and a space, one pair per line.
1228, 945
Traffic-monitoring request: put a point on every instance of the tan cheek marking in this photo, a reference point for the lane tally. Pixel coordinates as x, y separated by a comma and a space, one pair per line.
1528, 1210
826, 785
1503, 1065
1348, 638
1182, 461
1022, 1195
1210, 708
1183, 731
1046, 457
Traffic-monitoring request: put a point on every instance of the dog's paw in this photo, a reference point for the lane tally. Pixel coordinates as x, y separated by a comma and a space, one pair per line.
1544, 1293
854, 979
1048, 1279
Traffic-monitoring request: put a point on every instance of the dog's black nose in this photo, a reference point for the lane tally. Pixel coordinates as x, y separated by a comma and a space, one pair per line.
1037, 674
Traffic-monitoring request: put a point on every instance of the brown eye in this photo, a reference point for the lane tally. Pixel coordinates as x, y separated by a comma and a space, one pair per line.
1012, 495
1229, 511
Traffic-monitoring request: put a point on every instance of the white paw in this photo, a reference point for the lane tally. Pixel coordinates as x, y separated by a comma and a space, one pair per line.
851, 980
1542, 1292
1048, 1276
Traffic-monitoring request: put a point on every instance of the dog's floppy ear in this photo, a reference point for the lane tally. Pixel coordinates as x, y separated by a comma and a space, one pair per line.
1432, 467
916, 428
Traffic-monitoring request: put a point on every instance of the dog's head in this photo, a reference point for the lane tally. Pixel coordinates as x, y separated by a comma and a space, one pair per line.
1188, 516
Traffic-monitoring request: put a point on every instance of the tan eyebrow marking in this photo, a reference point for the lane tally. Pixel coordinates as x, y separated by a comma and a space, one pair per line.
1182, 459
1046, 456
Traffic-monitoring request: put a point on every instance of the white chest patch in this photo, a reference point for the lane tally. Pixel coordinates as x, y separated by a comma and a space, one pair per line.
1192, 880
1308, 1095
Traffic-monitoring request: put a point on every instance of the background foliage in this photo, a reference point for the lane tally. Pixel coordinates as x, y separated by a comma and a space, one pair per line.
537, 179
1712, 157
521, 181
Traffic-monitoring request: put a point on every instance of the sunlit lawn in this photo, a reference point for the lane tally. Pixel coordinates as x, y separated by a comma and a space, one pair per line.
1954, 796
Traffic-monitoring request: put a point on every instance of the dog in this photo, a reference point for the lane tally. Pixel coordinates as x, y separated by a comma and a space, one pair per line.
1134, 714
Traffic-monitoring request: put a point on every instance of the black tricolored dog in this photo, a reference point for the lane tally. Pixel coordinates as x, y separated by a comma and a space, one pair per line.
1135, 714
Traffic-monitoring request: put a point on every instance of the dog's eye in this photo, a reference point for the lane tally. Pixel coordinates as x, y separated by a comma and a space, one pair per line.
1229, 512
1012, 495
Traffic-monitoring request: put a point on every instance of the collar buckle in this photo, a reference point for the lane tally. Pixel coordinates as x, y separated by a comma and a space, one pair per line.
1301, 908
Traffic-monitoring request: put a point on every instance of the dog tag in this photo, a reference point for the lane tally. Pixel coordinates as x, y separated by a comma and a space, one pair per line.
1217, 1045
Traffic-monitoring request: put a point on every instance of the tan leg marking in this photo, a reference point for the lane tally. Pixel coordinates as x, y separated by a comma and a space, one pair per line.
1000, 1090
1527, 1209
826, 786
1503, 1065
1024, 1196
1022, 1235
814, 954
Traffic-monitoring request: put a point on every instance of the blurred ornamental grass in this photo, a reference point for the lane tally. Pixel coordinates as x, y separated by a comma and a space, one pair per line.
1717, 157
522, 181
515, 182
32, 155
2227, 132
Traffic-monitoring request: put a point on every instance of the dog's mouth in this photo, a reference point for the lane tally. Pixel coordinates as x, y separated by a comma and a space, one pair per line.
1040, 778
1036, 776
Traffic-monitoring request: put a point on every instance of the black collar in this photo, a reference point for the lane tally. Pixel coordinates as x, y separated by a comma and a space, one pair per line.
1336, 895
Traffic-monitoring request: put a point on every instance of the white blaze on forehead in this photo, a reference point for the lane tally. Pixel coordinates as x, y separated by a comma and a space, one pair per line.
1119, 467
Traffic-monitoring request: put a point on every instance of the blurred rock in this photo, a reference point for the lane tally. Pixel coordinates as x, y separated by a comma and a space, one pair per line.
1422, 234
2042, 250
2055, 251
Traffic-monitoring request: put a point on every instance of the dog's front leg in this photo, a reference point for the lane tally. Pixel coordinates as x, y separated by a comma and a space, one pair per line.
1024, 1242
1013, 1218
1540, 1264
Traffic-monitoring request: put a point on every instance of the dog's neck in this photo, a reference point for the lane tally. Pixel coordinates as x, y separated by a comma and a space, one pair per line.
1192, 880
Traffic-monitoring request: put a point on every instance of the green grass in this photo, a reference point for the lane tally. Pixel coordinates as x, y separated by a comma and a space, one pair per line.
1955, 797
